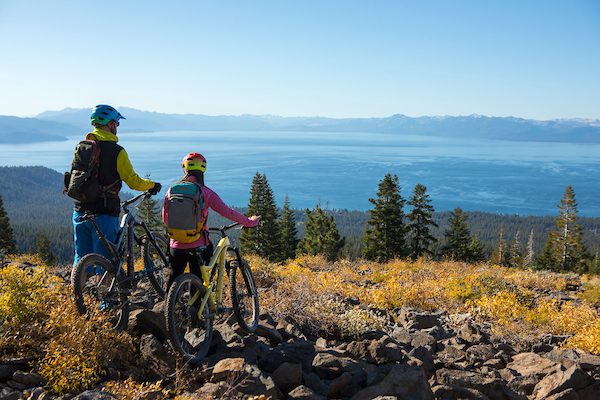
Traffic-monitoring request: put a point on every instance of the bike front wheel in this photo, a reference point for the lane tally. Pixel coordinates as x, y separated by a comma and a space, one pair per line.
154, 265
95, 287
189, 329
244, 295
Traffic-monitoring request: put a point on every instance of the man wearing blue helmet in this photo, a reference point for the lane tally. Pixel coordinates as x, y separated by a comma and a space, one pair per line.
114, 167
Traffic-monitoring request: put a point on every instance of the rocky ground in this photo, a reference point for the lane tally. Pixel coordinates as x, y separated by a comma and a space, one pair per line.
422, 356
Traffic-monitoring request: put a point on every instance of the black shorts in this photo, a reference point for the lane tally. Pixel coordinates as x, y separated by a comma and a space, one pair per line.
180, 258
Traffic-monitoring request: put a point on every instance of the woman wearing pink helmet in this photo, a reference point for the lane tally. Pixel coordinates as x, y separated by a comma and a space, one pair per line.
181, 253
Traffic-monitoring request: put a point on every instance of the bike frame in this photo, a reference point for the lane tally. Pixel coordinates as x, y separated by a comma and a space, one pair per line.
128, 222
214, 295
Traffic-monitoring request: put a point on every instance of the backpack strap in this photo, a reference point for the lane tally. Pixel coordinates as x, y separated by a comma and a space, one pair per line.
204, 227
106, 193
95, 160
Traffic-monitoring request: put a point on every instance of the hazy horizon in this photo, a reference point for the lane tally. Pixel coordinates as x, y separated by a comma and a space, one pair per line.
119, 107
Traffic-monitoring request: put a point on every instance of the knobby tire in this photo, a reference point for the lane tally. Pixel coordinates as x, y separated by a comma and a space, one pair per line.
182, 321
116, 299
244, 296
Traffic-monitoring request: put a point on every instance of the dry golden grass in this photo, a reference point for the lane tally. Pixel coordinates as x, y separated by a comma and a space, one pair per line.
129, 389
587, 338
138, 265
79, 349
591, 293
39, 319
340, 299
27, 297
313, 293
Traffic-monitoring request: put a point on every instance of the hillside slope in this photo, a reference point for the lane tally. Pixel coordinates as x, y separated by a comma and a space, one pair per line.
422, 330
35, 203
27, 130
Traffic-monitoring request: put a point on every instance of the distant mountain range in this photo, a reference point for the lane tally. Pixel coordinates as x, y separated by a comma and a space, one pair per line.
55, 125
28, 130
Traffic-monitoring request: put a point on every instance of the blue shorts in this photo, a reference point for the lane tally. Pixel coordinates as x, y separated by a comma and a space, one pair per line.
85, 237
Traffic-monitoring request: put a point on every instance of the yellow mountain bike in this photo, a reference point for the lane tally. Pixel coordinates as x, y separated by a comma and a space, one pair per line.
193, 302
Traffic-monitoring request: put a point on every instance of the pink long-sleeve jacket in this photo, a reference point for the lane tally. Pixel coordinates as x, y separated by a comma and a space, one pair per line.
212, 200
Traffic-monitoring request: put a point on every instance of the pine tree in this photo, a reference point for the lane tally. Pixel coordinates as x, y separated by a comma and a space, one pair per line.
264, 239
287, 224
569, 240
44, 250
475, 251
545, 259
321, 235
458, 238
420, 219
566, 242
352, 249
499, 256
595, 265
529, 256
516, 254
7, 239
384, 236
149, 212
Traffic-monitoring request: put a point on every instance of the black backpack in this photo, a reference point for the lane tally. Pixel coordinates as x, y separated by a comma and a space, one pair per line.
82, 182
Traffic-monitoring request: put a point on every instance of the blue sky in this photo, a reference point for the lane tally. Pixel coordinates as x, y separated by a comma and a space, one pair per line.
533, 59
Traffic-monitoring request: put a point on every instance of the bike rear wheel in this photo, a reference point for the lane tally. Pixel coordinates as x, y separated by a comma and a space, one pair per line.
189, 331
153, 263
95, 287
244, 295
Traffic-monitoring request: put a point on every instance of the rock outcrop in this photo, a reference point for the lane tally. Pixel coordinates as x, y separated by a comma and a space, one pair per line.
422, 356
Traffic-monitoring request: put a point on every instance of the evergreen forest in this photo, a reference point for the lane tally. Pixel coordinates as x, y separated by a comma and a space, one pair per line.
40, 218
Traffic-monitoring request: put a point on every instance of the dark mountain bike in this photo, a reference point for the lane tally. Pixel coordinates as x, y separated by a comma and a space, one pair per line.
107, 283
193, 301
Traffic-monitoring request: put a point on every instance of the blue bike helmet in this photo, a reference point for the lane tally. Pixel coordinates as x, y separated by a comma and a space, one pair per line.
102, 114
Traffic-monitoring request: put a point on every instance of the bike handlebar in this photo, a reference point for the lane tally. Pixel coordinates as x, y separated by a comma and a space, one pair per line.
224, 228
127, 203
124, 205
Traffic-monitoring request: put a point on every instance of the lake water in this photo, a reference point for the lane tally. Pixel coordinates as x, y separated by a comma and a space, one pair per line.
342, 170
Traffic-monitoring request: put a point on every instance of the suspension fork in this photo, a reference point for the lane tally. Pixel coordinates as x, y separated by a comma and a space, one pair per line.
130, 222
238, 255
